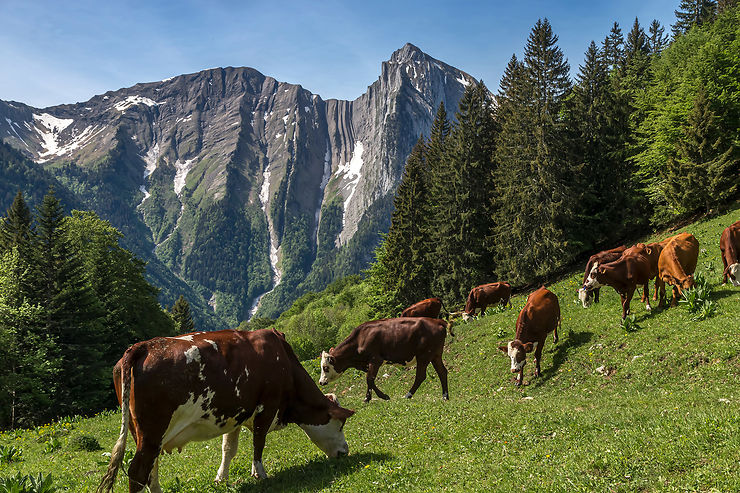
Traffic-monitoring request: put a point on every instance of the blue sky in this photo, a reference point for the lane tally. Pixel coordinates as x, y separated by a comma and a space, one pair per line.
54, 52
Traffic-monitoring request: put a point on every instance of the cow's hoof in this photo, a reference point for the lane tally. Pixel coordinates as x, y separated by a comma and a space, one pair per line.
367, 399
408, 395
384, 397
445, 396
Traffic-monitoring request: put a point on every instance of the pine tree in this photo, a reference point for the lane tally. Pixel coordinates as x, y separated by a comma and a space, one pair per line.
15, 227
73, 315
705, 168
534, 209
692, 13
723, 5
181, 316
636, 45
462, 224
657, 40
613, 50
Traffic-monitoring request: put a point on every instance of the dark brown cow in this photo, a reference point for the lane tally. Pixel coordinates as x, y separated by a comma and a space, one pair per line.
677, 264
400, 341
485, 295
539, 317
175, 390
425, 308
729, 246
597, 259
624, 275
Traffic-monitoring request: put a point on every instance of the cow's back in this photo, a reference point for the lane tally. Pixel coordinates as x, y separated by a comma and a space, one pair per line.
399, 339
679, 257
425, 308
540, 313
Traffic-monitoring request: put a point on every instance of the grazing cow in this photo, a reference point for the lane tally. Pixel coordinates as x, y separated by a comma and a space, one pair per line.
540, 316
624, 275
677, 264
729, 245
486, 294
194, 387
597, 259
400, 341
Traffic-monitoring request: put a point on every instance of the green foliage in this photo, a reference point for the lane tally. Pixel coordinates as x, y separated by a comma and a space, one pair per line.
9, 453
85, 443
52, 445
692, 13
27, 484
181, 316
697, 299
629, 324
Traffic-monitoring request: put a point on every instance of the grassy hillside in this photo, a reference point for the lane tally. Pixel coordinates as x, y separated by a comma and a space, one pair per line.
664, 416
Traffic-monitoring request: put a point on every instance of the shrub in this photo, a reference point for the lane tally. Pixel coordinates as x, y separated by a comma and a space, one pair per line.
697, 300
27, 484
84, 443
629, 324
9, 453
52, 445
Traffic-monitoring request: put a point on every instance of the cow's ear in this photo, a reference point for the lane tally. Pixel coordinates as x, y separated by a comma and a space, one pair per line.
504, 349
528, 347
338, 412
601, 270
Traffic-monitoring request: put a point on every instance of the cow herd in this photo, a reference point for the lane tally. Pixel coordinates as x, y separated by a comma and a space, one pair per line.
194, 387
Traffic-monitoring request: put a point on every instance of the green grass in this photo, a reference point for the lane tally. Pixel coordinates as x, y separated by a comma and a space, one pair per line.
662, 415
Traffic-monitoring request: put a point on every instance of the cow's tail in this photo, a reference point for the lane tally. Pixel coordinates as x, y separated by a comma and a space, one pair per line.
448, 326
116, 456
444, 308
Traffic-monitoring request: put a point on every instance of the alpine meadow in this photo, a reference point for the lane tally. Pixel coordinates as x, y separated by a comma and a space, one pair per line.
227, 245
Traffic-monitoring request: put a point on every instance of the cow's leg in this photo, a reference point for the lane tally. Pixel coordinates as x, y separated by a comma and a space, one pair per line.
441, 370
646, 296
660, 285
483, 310
260, 427
626, 298
421, 375
520, 377
555, 333
724, 269
154, 478
538, 357
596, 294
229, 446
372, 372
674, 296
656, 288
140, 470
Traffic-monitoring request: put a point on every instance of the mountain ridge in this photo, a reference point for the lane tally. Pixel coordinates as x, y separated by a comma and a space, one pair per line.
228, 169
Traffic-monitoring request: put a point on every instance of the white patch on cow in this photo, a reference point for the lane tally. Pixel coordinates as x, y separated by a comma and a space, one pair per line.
734, 270
229, 446
258, 471
277, 358
329, 437
188, 337
192, 354
194, 421
591, 282
585, 296
328, 373
513, 353
212, 343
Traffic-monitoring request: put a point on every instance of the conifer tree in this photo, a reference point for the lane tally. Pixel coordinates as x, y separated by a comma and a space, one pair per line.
706, 165
723, 5
692, 13
534, 209
613, 47
181, 316
15, 227
657, 40
464, 223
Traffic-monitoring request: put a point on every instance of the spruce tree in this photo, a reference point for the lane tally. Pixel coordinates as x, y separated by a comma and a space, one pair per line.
613, 47
723, 5
692, 13
704, 170
657, 40
181, 316
535, 209
15, 227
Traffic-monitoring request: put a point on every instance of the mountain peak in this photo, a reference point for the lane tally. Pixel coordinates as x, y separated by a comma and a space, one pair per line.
408, 53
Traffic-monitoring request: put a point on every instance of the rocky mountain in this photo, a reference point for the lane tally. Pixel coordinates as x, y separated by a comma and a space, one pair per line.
249, 190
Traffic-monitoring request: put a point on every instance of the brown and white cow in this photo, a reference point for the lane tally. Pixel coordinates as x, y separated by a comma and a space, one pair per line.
430, 307
677, 264
729, 246
539, 317
485, 295
402, 341
603, 257
194, 387
624, 275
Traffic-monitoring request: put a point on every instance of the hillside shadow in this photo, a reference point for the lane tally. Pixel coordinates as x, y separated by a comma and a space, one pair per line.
560, 355
317, 474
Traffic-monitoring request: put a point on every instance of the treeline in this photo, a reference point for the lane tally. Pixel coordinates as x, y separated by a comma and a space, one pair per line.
526, 180
71, 301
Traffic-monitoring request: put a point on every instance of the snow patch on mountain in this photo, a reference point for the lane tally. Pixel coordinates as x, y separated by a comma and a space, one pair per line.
181, 173
49, 127
352, 171
130, 101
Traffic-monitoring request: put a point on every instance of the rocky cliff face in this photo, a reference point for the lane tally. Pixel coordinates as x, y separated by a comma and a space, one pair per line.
240, 184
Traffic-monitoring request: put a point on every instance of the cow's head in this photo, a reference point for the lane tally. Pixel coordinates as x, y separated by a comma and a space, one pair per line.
595, 278
586, 296
329, 437
733, 272
328, 372
688, 282
517, 351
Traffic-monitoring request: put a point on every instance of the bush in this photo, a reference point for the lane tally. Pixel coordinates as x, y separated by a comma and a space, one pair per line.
84, 443
9, 453
629, 324
697, 300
